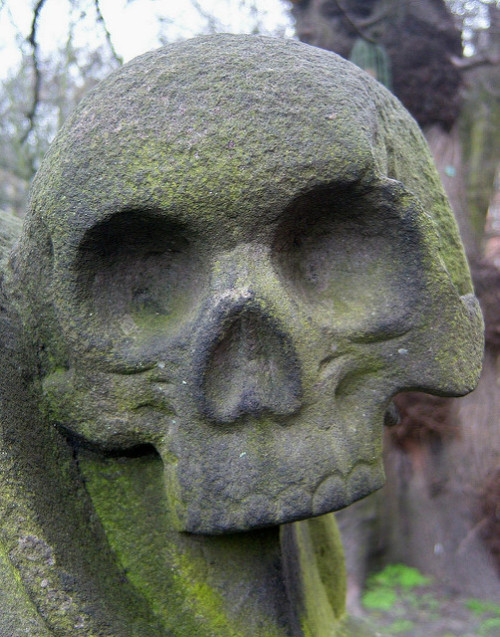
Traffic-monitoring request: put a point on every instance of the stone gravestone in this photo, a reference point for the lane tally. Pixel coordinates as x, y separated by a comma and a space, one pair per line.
237, 251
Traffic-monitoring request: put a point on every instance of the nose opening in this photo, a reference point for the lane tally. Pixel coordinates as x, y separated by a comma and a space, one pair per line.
251, 369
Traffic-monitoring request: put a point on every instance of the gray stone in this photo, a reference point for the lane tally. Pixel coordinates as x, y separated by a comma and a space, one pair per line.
237, 251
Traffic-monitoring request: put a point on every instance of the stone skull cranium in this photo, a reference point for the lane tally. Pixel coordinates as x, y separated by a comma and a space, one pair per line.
239, 255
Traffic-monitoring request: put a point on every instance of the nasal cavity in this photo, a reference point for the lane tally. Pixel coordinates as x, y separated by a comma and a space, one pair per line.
251, 370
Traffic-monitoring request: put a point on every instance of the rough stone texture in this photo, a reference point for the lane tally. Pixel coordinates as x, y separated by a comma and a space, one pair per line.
237, 252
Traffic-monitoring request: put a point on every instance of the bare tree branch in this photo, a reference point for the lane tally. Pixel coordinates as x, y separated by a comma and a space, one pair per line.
100, 18
466, 64
377, 16
353, 23
213, 23
32, 40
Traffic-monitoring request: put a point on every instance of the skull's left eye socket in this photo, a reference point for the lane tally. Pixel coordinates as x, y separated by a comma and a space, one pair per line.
136, 271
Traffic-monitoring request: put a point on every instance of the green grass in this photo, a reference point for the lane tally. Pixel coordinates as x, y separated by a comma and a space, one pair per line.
401, 626
379, 599
398, 603
489, 613
481, 607
490, 626
394, 582
399, 575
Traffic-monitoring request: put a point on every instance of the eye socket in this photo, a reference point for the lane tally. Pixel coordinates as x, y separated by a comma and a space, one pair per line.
349, 256
136, 269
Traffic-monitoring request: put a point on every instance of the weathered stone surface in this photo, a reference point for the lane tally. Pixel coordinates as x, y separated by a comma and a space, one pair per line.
237, 252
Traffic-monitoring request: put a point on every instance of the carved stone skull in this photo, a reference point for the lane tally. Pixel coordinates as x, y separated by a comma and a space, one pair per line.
238, 251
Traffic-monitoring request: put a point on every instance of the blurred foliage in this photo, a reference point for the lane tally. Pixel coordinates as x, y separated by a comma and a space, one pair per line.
482, 607
393, 582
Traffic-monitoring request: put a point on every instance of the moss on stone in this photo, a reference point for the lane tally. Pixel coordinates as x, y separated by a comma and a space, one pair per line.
172, 570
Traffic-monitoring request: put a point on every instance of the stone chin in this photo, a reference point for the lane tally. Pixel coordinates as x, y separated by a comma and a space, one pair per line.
265, 473
289, 504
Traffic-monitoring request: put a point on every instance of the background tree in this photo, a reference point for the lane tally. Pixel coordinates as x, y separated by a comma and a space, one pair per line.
38, 95
67, 75
439, 510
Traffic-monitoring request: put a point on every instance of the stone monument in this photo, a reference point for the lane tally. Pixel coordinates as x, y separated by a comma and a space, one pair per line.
237, 251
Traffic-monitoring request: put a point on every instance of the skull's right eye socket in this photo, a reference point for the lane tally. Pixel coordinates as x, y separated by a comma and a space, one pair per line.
351, 257
136, 271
